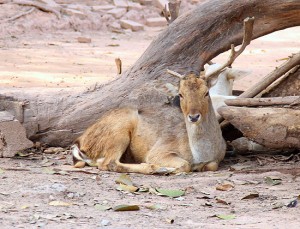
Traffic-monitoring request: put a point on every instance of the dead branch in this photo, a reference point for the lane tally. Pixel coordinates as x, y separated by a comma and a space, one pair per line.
21, 14
270, 78
277, 82
173, 11
39, 6
248, 29
252, 102
119, 65
175, 73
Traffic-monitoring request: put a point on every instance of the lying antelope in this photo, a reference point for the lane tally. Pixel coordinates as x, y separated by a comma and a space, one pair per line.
149, 141
222, 88
155, 140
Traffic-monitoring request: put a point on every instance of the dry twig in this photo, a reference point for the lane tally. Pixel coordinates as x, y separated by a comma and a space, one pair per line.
21, 14
40, 6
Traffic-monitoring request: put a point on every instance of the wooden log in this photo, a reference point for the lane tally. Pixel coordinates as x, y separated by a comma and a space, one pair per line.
253, 102
275, 128
58, 116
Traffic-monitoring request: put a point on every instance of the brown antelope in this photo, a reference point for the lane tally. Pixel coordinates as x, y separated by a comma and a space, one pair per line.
155, 140
152, 141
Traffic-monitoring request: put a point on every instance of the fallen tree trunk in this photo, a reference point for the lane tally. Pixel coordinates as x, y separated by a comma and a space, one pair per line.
275, 128
56, 117
252, 102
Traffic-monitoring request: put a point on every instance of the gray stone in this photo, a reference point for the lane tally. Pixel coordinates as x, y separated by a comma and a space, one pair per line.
12, 136
134, 26
118, 12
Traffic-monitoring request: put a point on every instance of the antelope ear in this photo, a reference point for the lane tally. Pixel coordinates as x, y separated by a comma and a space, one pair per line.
236, 74
211, 81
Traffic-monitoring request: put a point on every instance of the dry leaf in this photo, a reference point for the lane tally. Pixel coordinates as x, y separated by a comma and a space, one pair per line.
170, 221
124, 179
272, 181
59, 203
125, 207
251, 196
128, 188
220, 201
226, 217
170, 192
156, 207
102, 207
224, 187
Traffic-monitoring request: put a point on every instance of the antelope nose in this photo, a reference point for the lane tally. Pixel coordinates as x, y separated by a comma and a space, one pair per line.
194, 118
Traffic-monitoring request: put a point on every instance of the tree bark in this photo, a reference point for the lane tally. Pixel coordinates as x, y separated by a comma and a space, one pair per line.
275, 128
56, 117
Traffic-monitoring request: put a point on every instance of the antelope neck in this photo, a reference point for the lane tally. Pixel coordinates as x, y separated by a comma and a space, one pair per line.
202, 137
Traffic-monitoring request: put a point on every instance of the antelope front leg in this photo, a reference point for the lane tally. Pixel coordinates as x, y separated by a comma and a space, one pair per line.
143, 168
206, 166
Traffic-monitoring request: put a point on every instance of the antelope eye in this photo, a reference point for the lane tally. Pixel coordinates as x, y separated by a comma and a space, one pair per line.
181, 96
207, 94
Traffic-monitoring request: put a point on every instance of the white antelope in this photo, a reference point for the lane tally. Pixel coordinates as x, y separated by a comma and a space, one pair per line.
222, 88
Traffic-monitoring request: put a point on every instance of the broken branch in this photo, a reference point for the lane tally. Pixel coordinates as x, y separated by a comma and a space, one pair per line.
40, 6
252, 102
21, 14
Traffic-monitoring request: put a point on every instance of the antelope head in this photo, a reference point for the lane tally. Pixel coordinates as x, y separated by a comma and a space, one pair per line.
192, 96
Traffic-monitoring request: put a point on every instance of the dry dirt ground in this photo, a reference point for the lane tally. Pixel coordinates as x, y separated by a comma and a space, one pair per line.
42, 190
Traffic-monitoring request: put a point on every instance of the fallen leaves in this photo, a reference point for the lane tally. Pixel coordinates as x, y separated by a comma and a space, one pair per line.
170, 192
126, 184
224, 187
272, 180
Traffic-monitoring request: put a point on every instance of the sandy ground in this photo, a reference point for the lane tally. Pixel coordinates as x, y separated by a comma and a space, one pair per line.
31, 186
58, 60
31, 183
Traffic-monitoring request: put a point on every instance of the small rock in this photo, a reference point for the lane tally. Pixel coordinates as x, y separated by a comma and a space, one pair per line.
72, 12
134, 26
134, 6
115, 25
156, 22
84, 39
102, 8
117, 13
121, 3
105, 222
146, 2
58, 187
71, 195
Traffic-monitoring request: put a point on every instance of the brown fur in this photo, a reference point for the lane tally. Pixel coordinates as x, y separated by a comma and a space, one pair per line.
155, 139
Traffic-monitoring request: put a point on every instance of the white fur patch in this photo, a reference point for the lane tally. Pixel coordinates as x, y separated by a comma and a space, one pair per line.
76, 153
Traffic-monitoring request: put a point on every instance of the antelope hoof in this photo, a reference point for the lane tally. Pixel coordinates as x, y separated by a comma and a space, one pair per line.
164, 170
211, 166
79, 164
